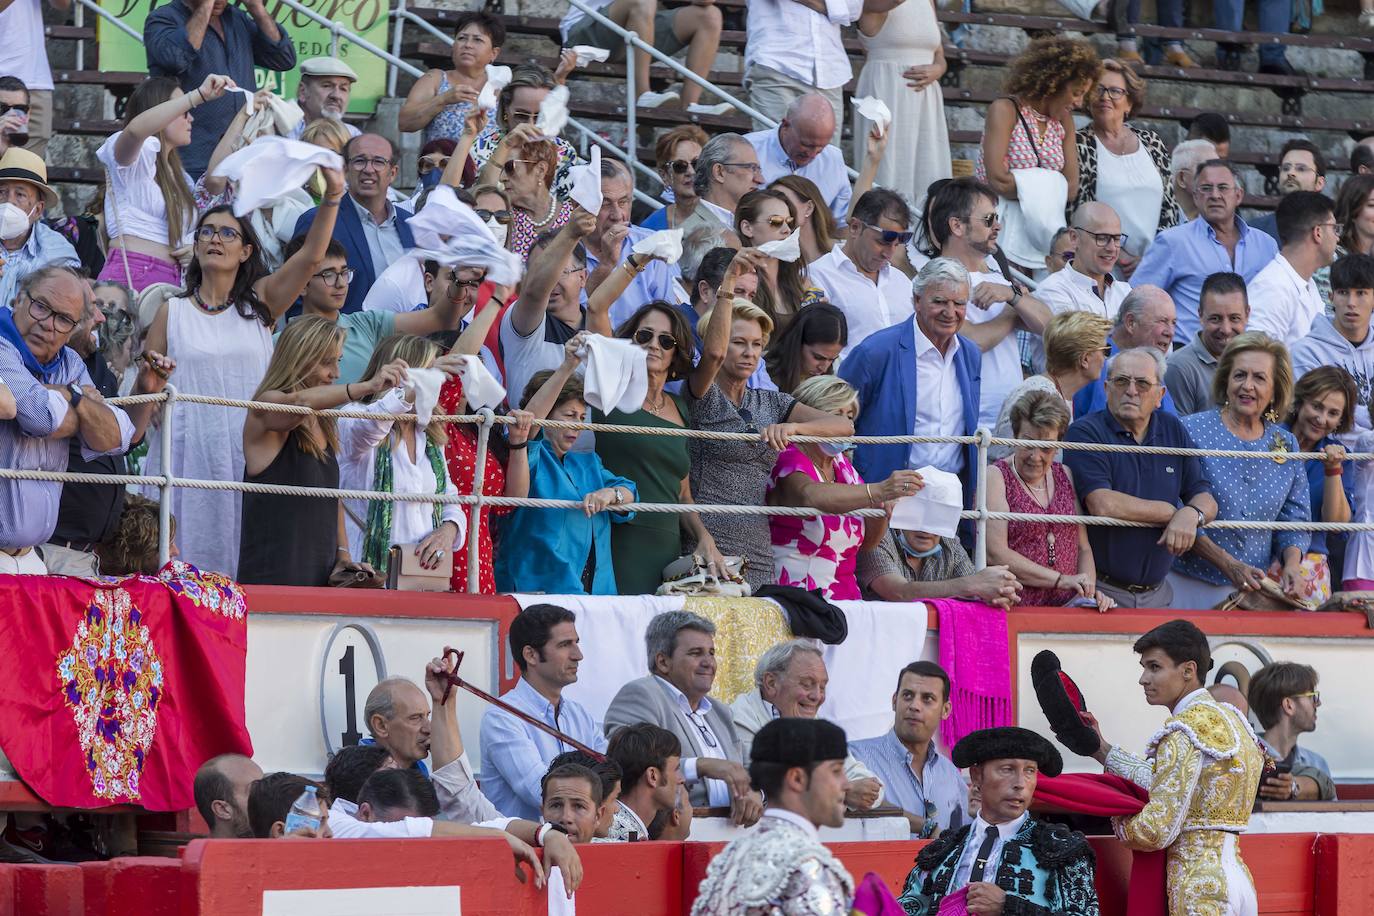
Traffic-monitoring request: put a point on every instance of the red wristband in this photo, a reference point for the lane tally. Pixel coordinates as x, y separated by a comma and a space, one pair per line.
1336, 473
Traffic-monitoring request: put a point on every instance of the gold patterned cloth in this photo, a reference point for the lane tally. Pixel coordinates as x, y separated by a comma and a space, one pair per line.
745, 629
1202, 769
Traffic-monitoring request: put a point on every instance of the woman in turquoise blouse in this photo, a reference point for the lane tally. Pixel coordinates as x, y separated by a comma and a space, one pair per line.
562, 551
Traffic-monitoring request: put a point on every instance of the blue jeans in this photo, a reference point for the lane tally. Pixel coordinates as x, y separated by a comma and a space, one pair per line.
1274, 16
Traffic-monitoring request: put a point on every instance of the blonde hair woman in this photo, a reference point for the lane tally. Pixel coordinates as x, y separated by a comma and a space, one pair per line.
820, 552
738, 471
1254, 387
295, 540
399, 457
1075, 351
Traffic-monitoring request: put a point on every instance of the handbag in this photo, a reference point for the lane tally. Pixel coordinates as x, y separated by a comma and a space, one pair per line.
1269, 598
348, 574
404, 572
688, 576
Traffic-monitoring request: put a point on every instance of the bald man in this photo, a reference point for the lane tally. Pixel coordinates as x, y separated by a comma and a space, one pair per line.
1146, 319
1225, 693
800, 145
1086, 285
221, 793
1362, 157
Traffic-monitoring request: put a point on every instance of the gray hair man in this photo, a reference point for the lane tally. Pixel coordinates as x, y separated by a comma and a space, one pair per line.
1183, 163
790, 681
325, 86
681, 653
1146, 321
727, 169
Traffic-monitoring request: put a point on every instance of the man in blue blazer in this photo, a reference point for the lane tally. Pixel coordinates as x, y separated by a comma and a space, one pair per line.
371, 229
889, 366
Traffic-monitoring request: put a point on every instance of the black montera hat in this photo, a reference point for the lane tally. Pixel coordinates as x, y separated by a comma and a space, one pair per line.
1062, 701
1007, 743
799, 742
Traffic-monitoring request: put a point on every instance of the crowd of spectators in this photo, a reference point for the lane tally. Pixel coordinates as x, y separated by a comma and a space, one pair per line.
1087, 284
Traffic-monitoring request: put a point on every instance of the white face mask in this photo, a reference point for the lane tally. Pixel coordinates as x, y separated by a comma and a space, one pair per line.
498, 230
13, 221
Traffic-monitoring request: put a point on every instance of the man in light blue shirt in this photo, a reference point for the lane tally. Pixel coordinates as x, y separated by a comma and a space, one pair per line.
936, 800
515, 755
24, 249
1182, 258
609, 248
800, 145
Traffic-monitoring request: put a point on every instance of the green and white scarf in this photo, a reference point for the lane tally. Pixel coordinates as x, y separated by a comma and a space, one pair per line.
377, 540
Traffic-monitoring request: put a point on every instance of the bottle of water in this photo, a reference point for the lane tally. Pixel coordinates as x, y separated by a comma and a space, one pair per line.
305, 812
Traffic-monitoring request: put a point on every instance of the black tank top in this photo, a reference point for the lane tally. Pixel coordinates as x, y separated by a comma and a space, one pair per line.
290, 540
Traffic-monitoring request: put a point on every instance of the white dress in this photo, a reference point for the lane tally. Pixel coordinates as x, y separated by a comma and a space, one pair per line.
918, 150
223, 355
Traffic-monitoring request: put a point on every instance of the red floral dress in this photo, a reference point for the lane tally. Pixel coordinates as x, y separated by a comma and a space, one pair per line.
1033, 539
461, 455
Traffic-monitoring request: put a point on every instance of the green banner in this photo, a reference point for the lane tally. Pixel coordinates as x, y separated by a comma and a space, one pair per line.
365, 18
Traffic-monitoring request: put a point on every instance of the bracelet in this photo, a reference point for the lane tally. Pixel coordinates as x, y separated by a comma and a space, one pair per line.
636, 269
348, 392
521, 446
1058, 579
326, 202
200, 95
1336, 473
343, 550
868, 488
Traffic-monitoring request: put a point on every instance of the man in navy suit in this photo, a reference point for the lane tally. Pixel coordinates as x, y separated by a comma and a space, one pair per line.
921, 378
371, 229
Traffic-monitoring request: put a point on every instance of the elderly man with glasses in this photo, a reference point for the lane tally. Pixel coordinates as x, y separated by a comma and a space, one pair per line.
681, 648
372, 230
46, 399
1169, 492
1181, 258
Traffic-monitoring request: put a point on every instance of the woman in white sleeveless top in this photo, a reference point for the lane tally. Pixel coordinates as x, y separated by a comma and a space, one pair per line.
903, 68
219, 330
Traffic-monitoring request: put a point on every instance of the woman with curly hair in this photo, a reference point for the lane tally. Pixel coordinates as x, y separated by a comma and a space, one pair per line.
1031, 128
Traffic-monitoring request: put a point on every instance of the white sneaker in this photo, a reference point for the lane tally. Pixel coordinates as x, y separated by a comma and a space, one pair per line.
698, 108
655, 99
1367, 20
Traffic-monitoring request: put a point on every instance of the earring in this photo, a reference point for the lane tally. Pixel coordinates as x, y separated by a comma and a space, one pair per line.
1271, 414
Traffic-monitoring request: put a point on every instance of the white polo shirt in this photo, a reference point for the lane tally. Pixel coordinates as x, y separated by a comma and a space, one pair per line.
939, 406
867, 306
1068, 290
1283, 304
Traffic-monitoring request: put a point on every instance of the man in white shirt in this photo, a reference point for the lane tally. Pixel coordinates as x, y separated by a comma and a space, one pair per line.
858, 276
800, 145
1284, 300
1086, 284
963, 224
794, 47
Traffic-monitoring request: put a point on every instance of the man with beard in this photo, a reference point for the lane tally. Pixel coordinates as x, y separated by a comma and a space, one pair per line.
1302, 167
1006, 861
221, 793
1285, 697
782, 866
326, 83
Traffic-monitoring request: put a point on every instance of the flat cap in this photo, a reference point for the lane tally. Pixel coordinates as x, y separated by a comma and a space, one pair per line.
327, 66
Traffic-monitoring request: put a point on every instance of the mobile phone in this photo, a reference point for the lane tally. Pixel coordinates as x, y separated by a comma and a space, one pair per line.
1283, 768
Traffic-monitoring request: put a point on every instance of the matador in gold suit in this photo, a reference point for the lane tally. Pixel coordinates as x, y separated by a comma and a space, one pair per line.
1202, 770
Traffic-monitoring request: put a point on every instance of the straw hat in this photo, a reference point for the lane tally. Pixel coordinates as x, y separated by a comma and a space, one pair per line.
18, 164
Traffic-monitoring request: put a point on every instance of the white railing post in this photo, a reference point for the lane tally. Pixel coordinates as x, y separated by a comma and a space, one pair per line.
980, 500
164, 507
631, 105
475, 510
80, 21
391, 72
333, 39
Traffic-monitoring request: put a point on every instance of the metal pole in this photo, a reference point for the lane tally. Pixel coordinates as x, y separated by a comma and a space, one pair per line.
631, 105
391, 73
333, 39
980, 500
80, 21
164, 508
475, 510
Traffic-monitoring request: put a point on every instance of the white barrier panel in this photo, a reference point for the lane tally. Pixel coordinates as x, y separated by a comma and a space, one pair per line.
365, 901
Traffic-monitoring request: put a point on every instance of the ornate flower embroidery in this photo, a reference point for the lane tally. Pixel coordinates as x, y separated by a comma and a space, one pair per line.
210, 590
111, 678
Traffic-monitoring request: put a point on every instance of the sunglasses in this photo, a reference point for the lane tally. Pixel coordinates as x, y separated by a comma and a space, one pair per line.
644, 337
502, 216
227, 233
777, 222
681, 166
509, 168
889, 236
22, 109
990, 220
433, 162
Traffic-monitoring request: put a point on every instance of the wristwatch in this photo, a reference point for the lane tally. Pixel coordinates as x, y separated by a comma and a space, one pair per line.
74, 389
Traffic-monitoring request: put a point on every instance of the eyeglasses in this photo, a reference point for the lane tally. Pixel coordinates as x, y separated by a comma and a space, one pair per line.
40, 311
889, 236
1300, 168
22, 109
1115, 93
363, 163
1316, 696
569, 271
502, 216
1126, 382
1103, 239
333, 277
519, 116
682, 166
509, 168
433, 162
665, 341
699, 721
751, 166
777, 222
457, 285
1214, 188
227, 233
989, 220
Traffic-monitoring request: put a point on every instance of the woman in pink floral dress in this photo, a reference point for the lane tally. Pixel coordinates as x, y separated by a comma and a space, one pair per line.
819, 551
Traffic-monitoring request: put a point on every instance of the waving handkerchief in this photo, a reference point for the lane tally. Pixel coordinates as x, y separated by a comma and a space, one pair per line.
788, 249
480, 387
616, 377
497, 79
586, 183
875, 110
665, 244
553, 112
586, 54
426, 384
269, 167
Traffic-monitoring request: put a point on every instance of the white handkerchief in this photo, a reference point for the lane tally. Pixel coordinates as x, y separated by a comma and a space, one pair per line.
497, 79
788, 249
247, 99
270, 167
426, 384
480, 387
934, 508
586, 54
875, 110
450, 232
586, 184
560, 904
665, 244
616, 377
553, 112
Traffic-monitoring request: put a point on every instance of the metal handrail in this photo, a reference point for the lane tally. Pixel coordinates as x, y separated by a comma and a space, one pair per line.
111, 18
337, 31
